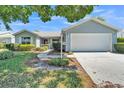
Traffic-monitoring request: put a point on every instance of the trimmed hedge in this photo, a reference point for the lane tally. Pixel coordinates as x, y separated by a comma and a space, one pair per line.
59, 62
2, 46
6, 54
43, 48
120, 39
19, 47
25, 47
119, 47
12, 46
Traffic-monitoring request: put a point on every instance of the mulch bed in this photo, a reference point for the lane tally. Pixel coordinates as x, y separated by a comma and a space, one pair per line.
86, 80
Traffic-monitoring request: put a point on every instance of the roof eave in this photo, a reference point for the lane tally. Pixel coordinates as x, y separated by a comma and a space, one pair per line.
24, 31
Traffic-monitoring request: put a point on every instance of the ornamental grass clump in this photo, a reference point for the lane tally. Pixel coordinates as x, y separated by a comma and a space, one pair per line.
6, 54
59, 61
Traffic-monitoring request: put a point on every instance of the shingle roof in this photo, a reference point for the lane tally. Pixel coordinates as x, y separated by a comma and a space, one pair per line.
47, 34
95, 20
6, 34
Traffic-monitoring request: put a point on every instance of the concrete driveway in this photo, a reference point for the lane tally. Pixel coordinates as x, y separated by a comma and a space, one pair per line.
103, 66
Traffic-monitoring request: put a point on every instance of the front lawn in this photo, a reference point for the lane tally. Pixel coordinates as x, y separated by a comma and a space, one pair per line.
15, 73
16, 64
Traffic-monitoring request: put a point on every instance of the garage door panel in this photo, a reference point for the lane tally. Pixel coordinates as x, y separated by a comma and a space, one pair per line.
90, 42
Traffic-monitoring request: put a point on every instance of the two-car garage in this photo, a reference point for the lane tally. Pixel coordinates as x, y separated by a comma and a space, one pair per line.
91, 42
90, 35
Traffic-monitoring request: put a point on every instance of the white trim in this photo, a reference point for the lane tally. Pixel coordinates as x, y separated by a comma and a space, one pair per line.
20, 40
24, 31
12, 39
37, 42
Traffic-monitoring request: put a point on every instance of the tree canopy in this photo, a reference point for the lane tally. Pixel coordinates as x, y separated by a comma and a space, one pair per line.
21, 13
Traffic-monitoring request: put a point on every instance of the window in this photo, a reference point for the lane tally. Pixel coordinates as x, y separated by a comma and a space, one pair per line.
26, 40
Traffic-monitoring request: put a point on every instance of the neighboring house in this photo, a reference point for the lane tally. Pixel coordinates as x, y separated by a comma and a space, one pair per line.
90, 35
7, 37
120, 34
37, 38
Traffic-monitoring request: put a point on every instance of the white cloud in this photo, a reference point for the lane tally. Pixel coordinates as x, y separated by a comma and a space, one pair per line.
88, 16
57, 17
107, 14
111, 15
21, 24
98, 10
68, 23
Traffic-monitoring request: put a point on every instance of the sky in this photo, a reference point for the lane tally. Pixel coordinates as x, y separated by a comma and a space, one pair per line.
112, 14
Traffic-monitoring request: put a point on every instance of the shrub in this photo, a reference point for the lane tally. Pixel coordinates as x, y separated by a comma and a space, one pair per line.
120, 39
59, 62
2, 45
12, 46
6, 54
37, 49
119, 47
44, 47
25, 47
57, 46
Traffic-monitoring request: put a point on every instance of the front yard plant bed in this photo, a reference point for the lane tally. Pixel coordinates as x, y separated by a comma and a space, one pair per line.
59, 61
81, 76
16, 73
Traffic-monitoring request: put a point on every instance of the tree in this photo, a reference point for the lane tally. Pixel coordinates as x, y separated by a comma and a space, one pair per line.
72, 13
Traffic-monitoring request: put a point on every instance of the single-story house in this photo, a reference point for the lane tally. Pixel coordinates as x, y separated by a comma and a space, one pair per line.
90, 35
37, 38
7, 37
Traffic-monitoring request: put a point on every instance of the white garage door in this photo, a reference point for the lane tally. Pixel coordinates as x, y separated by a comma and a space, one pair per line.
91, 42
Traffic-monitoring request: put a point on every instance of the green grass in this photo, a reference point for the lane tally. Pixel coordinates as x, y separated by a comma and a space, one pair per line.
59, 62
14, 74
14, 80
16, 64
67, 78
